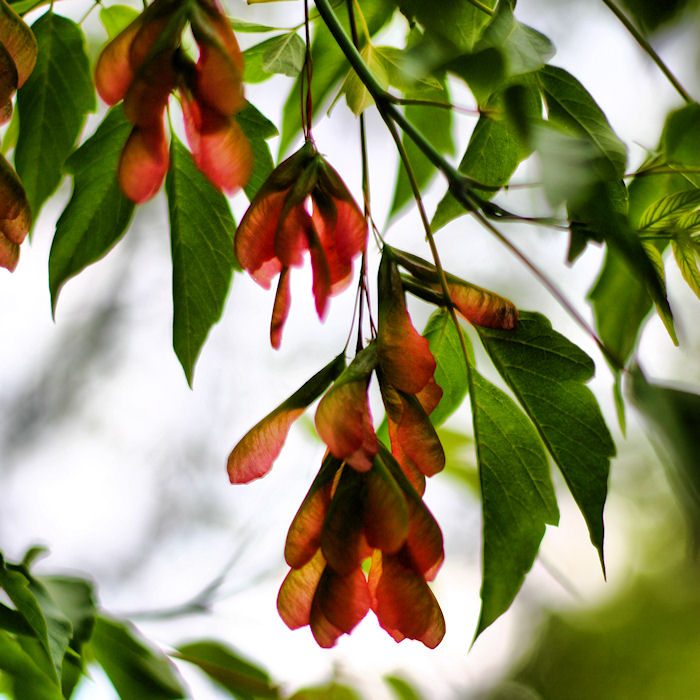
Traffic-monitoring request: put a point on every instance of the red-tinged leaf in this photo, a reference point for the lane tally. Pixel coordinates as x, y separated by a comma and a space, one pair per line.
19, 41
8, 83
343, 600
156, 32
386, 511
291, 238
404, 354
342, 538
144, 163
408, 466
12, 197
9, 253
429, 396
219, 80
297, 592
324, 631
255, 237
418, 439
280, 310
113, 73
16, 229
219, 147
253, 456
406, 605
482, 307
343, 418
322, 277
148, 93
304, 535
345, 219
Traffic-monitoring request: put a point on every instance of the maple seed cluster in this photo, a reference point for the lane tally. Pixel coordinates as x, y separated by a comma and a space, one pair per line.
18, 51
145, 63
277, 229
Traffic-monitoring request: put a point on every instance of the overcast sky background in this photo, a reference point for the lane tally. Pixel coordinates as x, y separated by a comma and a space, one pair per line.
108, 458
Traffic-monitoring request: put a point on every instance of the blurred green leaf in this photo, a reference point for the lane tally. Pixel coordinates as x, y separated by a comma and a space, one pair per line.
547, 373
117, 17
98, 213
225, 667
332, 691
52, 105
201, 231
29, 682
137, 670
285, 54
517, 496
356, 94
253, 71
402, 689
240, 25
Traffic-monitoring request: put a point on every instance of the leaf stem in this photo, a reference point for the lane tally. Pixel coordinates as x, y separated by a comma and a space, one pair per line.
646, 46
433, 103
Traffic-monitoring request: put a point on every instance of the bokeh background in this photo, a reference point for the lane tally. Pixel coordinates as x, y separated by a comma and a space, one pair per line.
113, 463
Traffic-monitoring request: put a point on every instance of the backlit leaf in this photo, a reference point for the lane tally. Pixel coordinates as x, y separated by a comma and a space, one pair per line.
201, 230
98, 213
52, 105
284, 54
517, 496
137, 669
687, 254
117, 17
356, 94
664, 214
547, 373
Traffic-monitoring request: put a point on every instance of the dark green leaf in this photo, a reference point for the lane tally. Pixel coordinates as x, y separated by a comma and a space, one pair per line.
52, 106
28, 680
257, 129
330, 66
285, 54
136, 669
516, 492
496, 147
98, 213
450, 369
571, 106
224, 666
547, 373
201, 233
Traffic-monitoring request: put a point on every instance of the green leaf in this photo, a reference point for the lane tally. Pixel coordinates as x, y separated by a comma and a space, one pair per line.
687, 253
457, 22
356, 94
285, 54
257, 129
517, 496
137, 670
29, 681
52, 104
524, 49
570, 106
665, 213
496, 147
401, 688
240, 25
98, 213
201, 234
675, 417
253, 71
404, 72
226, 668
330, 66
450, 368
117, 17
547, 374
332, 691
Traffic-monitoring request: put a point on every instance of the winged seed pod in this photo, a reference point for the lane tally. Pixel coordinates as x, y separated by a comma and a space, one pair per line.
277, 229
144, 64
